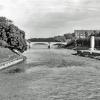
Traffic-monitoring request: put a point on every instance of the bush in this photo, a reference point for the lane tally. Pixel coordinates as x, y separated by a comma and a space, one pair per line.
12, 35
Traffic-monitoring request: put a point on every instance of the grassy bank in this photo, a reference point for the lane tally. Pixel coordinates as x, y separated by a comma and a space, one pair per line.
9, 58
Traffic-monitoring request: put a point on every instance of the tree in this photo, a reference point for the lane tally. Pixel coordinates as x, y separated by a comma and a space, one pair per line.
12, 35
69, 35
60, 38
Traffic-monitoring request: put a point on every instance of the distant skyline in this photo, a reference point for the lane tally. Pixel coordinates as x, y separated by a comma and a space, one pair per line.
47, 18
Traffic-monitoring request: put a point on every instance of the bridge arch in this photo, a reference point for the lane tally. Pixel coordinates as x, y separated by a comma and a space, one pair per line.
47, 43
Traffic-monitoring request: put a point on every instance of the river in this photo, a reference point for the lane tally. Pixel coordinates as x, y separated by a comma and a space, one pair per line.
51, 74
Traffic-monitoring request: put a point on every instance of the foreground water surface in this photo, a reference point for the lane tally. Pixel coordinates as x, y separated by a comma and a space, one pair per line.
51, 74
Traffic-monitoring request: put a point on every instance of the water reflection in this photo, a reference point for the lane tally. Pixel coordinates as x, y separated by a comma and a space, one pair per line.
40, 55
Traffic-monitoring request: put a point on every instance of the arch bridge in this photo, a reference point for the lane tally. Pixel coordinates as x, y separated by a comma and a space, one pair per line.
48, 43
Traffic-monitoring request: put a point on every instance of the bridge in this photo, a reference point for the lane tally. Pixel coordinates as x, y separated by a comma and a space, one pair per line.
47, 43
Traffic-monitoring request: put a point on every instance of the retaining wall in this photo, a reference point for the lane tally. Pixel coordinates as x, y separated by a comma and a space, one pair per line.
11, 62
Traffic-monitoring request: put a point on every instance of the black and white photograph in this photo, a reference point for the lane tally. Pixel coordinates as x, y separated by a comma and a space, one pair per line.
49, 49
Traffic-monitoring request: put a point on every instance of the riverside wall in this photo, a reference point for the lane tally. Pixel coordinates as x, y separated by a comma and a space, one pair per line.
12, 62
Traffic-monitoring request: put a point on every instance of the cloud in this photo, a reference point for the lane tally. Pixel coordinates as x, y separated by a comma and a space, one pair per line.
46, 17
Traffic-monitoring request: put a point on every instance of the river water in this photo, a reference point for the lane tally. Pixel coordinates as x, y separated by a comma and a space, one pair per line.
51, 74
41, 55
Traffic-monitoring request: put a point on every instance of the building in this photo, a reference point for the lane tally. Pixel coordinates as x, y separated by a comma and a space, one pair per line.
85, 33
84, 41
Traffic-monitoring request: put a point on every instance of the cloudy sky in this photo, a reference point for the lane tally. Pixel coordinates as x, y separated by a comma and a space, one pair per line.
44, 18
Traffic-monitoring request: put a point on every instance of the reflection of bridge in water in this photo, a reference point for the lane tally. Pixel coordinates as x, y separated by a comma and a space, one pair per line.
48, 43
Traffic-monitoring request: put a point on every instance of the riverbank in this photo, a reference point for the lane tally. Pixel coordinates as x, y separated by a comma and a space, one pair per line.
9, 58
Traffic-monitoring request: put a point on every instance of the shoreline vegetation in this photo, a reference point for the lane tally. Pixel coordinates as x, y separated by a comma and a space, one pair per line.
12, 43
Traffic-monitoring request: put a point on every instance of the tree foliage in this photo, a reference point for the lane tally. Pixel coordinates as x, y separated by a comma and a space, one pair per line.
12, 35
69, 35
60, 39
42, 39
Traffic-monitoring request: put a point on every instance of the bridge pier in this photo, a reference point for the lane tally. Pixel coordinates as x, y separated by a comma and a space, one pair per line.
49, 45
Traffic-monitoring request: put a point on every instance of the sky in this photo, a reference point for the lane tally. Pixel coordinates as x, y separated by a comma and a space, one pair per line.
47, 18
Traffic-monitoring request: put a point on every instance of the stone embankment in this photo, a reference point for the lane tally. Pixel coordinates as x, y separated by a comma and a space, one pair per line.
95, 54
9, 58
12, 62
